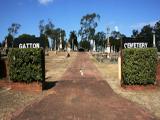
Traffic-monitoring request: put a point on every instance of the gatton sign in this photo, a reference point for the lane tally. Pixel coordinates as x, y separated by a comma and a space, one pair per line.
25, 43
29, 45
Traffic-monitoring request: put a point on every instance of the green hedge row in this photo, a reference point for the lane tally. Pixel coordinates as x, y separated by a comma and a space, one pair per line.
0, 67
26, 65
139, 66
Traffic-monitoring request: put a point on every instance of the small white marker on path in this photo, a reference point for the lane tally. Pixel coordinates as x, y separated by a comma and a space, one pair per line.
81, 72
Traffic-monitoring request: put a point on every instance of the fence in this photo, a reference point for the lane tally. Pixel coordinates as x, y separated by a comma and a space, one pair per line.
106, 57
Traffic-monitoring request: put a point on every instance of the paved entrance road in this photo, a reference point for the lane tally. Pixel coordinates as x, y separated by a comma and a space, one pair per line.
84, 95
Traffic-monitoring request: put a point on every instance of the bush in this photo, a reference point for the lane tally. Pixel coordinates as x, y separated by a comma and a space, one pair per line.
26, 65
0, 67
139, 66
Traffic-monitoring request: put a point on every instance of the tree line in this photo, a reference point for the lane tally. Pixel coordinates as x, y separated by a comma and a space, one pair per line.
86, 33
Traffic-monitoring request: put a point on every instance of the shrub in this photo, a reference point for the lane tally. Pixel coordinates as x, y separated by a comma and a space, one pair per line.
0, 67
26, 65
139, 66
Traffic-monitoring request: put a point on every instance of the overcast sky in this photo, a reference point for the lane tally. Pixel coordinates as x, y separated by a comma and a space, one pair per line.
122, 15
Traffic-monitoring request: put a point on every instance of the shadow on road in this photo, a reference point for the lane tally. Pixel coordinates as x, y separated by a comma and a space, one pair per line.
49, 84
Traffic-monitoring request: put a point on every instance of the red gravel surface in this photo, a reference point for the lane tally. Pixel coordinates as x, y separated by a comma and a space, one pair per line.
158, 74
84, 97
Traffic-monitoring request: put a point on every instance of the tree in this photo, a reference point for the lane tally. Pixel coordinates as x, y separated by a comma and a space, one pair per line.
41, 27
157, 33
146, 34
100, 42
157, 30
58, 34
43, 36
46, 30
115, 40
45, 39
13, 30
63, 35
146, 31
73, 39
88, 24
26, 36
115, 43
117, 35
9, 39
134, 33
3, 43
85, 44
55, 35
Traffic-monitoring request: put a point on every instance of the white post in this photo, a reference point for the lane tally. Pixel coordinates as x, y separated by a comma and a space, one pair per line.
119, 67
108, 44
94, 46
154, 40
55, 45
6, 43
60, 46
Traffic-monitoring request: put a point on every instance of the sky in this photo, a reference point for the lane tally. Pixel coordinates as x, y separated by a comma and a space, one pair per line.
121, 15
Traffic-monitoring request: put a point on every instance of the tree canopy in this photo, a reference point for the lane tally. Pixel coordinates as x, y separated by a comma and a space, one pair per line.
13, 29
73, 39
86, 33
100, 40
88, 24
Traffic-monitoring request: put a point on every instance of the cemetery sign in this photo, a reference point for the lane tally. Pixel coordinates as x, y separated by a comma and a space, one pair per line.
134, 44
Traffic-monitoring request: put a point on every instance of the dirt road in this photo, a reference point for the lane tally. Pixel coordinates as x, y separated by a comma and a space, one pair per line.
82, 94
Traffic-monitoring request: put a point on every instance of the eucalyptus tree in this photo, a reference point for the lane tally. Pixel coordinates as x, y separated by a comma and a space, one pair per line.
146, 34
157, 34
116, 35
146, 31
100, 40
134, 33
9, 39
73, 39
63, 35
157, 30
12, 31
59, 37
41, 27
43, 35
115, 40
88, 24
46, 31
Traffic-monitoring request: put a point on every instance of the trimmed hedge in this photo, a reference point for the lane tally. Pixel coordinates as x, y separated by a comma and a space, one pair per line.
26, 65
139, 66
0, 67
